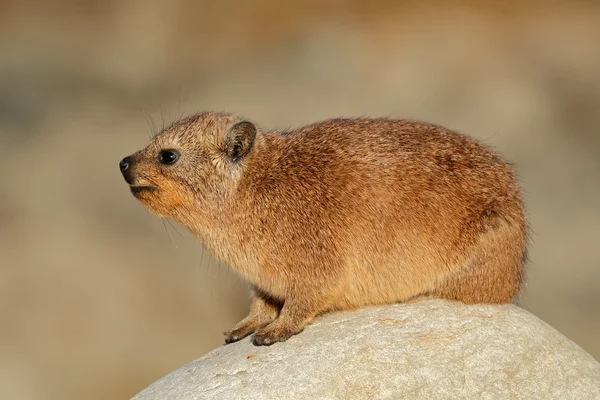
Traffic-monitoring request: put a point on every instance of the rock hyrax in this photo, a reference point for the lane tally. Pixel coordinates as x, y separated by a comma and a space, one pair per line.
338, 214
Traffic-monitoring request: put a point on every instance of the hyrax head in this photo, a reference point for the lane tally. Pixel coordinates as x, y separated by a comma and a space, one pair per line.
188, 169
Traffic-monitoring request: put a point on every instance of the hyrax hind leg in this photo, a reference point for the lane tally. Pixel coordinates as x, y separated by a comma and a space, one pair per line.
263, 310
494, 272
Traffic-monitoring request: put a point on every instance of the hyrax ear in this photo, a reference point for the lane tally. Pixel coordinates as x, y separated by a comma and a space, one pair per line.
239, 140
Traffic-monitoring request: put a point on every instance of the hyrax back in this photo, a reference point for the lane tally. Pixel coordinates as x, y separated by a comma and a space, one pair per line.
339, 214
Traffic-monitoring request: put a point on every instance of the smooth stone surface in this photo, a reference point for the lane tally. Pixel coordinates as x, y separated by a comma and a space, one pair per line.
433, 349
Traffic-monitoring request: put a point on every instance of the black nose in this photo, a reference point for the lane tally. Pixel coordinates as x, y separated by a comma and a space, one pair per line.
124, 164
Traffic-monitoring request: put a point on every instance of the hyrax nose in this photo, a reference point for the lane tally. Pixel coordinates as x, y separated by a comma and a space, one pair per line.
124, 164
125, 167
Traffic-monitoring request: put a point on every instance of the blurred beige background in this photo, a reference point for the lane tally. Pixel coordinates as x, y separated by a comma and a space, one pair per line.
98, 298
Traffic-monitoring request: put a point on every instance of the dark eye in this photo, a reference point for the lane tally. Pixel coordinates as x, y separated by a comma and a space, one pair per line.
168, 156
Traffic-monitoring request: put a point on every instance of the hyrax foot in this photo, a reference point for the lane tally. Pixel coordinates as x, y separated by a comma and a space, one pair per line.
292, 320
262, 312
233, 335
248, 325
244, 328
272, 333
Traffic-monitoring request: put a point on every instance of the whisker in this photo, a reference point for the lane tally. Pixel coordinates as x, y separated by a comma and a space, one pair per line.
146, 117
228, 273
168, 231
202, 259
179, 110
208, 272
490, 137
174, 227
183, 105
218, 271
151, 122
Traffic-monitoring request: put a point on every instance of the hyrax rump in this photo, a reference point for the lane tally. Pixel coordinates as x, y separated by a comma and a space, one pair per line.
339, 214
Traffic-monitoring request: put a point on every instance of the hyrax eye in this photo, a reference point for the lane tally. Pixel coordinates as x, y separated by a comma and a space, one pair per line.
168, 156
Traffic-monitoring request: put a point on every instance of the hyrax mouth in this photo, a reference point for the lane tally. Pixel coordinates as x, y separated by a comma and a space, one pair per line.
137, 189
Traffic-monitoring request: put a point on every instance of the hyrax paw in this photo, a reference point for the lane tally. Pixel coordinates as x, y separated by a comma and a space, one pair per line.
266, 337
233, 335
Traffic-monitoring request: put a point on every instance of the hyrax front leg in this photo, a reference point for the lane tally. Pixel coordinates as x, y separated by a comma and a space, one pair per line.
296, 313
263, 310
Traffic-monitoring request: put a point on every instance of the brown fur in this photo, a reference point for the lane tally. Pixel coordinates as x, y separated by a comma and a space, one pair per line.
340, 214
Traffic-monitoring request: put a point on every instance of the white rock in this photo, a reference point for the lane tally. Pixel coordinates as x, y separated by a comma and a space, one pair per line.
432, 349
